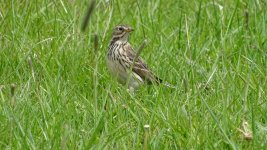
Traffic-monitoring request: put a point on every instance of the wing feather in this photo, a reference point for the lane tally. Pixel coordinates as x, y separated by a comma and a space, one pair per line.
140, 67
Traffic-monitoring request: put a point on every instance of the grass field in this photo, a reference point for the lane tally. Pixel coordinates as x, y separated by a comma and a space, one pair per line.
56, 92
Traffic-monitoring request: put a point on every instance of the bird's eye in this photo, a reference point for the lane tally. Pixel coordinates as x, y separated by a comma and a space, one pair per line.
120, 28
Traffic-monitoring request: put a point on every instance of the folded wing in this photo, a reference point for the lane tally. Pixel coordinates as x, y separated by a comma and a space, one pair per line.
140, 67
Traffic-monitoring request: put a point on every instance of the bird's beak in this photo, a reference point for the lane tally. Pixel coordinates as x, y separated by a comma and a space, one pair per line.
129, 29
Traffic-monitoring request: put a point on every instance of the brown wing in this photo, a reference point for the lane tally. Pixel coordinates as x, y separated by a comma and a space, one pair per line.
140, 67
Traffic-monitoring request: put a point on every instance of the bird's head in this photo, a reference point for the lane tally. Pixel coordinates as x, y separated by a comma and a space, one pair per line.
121, 32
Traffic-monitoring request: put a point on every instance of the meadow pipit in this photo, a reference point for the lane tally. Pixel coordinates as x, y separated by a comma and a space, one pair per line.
120, 61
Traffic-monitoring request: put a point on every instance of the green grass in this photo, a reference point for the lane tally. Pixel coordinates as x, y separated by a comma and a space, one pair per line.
64, 96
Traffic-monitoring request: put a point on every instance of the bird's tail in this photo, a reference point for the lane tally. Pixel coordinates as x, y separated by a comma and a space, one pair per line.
160, 81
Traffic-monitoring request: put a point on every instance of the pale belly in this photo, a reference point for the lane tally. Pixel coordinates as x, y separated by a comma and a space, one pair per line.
124, 76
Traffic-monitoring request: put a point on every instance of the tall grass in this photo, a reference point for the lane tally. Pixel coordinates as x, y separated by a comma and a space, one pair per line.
56, 92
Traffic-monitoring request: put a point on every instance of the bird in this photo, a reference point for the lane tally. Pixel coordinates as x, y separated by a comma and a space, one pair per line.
123, 65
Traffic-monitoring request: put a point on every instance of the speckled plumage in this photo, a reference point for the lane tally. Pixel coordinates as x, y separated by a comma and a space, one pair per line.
120, 59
